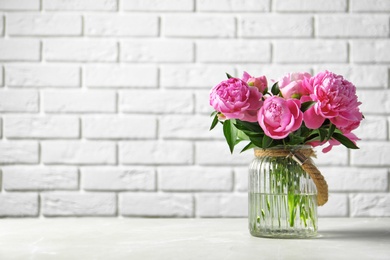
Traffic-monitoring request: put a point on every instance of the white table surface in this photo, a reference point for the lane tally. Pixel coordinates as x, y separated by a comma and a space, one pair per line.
111, 238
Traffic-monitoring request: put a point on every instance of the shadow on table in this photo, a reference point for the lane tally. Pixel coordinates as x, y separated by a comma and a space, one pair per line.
372, 234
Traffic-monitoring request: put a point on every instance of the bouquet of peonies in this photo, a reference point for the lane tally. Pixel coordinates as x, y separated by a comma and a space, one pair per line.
299, 109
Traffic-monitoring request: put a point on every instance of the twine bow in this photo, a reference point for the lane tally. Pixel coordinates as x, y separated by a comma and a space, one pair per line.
302, 157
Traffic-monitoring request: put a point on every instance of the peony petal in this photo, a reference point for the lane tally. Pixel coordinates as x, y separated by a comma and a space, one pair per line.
250, 116
340, 121
246, 76
327, 149
311, 119
254, 99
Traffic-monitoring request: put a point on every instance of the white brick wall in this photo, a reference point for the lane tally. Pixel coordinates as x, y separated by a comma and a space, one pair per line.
104, 103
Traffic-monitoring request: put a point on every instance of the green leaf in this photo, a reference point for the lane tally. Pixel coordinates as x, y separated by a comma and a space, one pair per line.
214, 113
257, 141
338, 131
344, 141
214, 123
332, 128
248, 146
267, 141
275, 89
241, 135
249, 126
295, 139
253, 134
230, 133
228, 75
322, 133
306, 105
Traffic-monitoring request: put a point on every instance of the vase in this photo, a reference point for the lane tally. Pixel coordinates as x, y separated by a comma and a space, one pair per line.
282, 195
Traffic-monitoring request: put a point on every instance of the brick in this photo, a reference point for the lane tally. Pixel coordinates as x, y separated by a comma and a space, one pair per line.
155, 152
42, 76
158, 5
38, 178
193, 76
366, 76
19, 5
157, 51
389, 125
76, 204
19, 152
121, 25
19, 101
80, 5
118, 179
273, 72
345, 26
41, 127
222, 205
187, 127
2, 19
159, 102
19, 50
372, 128
337, 156
121, 76
195, 179
337, 206
355, 179
370, 51
109, 127
79, 101
233, 51
371, 154
198, 25
2, 25
78, 152
370, 5
202, 102
153, 205
310, 51
217, 153
44, 24
310, 6
19, 205
370, 100
370, 205
241, 179
279, 26
80, 50
233, 5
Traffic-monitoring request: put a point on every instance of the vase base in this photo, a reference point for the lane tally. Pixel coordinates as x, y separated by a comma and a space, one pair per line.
285, 234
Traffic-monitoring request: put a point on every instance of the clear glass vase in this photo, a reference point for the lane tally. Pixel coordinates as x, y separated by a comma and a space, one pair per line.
282, 198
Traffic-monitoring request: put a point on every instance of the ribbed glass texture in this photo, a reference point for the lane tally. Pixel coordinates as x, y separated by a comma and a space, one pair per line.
282, 199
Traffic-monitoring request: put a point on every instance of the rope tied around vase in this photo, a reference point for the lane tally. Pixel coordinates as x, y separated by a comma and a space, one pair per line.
303, 158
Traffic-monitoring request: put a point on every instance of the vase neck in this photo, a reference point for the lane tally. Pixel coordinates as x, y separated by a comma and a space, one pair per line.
282, 151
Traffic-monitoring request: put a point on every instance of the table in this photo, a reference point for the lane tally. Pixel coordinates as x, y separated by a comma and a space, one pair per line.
148, 238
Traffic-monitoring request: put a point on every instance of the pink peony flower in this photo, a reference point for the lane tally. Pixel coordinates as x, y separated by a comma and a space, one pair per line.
235, 99
260, 83
336, 100
279, 117
291, 85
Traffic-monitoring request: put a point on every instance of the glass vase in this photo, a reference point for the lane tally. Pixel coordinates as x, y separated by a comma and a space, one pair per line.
282, 198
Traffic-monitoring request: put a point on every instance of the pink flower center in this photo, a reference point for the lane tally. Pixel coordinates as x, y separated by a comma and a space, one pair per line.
274, 114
